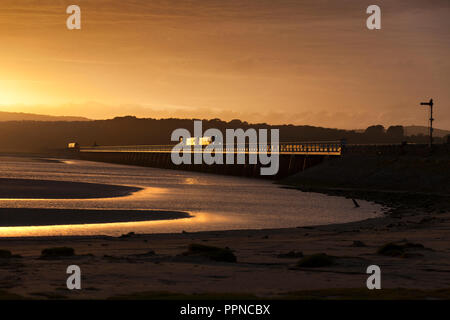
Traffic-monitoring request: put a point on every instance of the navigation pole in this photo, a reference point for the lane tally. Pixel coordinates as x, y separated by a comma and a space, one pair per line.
430, 103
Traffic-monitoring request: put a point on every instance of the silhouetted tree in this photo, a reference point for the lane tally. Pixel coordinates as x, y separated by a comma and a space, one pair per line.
29, 136
375, 130
375, 134
395, 133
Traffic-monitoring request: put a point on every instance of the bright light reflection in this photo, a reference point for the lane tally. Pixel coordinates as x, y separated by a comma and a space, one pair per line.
115, 229
146, 193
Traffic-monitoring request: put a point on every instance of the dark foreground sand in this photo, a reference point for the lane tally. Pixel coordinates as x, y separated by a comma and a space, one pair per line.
152, 266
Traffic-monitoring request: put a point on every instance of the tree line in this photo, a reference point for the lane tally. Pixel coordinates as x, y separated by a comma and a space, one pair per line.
32, 136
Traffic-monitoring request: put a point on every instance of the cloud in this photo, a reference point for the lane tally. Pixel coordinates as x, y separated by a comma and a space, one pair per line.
313, 61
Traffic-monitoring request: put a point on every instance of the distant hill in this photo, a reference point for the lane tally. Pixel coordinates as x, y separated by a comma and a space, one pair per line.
415, 130
31, 136
19, 116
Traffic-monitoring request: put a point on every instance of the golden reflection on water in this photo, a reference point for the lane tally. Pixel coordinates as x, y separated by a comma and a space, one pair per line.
190, 181
146, 193
216, 202
118, 228
105, 228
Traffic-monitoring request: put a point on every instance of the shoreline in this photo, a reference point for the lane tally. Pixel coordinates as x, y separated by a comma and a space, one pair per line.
397, 205
266, 266
157, 266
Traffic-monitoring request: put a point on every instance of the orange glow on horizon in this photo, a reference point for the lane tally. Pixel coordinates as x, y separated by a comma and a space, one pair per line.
300, 62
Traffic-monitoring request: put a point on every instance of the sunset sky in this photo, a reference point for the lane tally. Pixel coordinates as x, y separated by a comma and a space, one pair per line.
302, 62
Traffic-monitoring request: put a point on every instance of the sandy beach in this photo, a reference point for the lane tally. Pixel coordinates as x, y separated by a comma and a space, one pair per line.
155, 266
410, 243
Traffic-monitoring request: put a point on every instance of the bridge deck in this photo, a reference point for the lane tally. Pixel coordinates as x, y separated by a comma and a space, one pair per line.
294, 148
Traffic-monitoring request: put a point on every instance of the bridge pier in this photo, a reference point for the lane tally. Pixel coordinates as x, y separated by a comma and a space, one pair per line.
288, 165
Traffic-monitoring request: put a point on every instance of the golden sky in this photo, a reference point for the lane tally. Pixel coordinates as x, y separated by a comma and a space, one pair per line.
286, 61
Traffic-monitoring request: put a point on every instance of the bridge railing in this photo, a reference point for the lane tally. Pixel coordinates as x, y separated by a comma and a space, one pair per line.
324, 147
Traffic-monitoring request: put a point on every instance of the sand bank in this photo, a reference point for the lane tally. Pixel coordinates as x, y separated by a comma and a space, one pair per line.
50, 189
143, 266
10, 217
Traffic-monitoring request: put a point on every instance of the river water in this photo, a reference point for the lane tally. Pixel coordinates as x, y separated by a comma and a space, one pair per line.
216, 202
